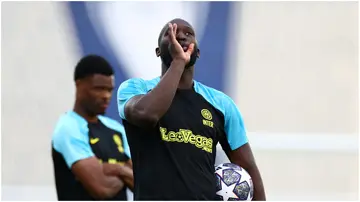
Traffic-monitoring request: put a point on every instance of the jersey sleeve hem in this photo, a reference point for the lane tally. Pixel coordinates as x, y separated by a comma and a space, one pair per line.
238, 144
71, 162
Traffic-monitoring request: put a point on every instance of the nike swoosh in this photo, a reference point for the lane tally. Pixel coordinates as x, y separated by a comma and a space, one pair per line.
94, 140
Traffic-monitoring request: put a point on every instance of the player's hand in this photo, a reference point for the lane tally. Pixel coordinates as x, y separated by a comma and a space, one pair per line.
111, 169
176, 50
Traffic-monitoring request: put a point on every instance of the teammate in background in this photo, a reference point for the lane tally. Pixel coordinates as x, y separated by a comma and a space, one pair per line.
90, 152
173, 124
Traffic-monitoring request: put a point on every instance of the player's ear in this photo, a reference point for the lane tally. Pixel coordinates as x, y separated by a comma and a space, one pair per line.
77, 83
157, 51
198, 53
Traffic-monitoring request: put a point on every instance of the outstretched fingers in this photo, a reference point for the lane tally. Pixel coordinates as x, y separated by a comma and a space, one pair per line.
172, 32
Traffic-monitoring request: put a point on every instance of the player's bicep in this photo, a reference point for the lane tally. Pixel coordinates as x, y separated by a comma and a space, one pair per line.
239, 150
131, 112
243, 156
88, 171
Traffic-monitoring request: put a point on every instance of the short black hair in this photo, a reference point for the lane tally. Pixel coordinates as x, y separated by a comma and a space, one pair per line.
92, 64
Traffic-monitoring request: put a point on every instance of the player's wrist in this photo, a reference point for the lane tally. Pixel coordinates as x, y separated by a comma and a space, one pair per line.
179, 63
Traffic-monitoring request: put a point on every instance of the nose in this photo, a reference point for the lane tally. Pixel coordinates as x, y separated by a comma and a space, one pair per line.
180, 36
107, 95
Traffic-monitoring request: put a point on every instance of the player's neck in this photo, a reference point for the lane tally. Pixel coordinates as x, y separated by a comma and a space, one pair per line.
82, 112
186, 80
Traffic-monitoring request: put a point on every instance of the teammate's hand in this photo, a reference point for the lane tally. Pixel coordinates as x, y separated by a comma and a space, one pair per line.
176, 50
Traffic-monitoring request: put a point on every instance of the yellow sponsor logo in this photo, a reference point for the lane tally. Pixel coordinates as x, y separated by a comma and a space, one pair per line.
187, 137
94, 140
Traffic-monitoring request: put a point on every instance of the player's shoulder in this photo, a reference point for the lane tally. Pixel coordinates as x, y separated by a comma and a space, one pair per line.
66, 121
213, 95
139, 83
111, 123
69, 124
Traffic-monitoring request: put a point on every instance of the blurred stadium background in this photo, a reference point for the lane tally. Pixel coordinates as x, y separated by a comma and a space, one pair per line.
291, 67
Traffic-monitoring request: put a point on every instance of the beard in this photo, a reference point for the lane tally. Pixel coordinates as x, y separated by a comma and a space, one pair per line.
167, 59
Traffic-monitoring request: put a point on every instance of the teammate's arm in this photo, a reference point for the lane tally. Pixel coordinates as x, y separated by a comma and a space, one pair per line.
90, 173
124, 172
146, 110
237, 148
74, 147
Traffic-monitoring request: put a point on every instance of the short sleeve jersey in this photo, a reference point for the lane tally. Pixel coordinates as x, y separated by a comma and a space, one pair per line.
75, 139
175, 160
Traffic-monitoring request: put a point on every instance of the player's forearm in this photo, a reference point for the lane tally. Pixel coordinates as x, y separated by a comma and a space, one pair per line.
125, 173
108, 188
259, 191
91, 175
155, 104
